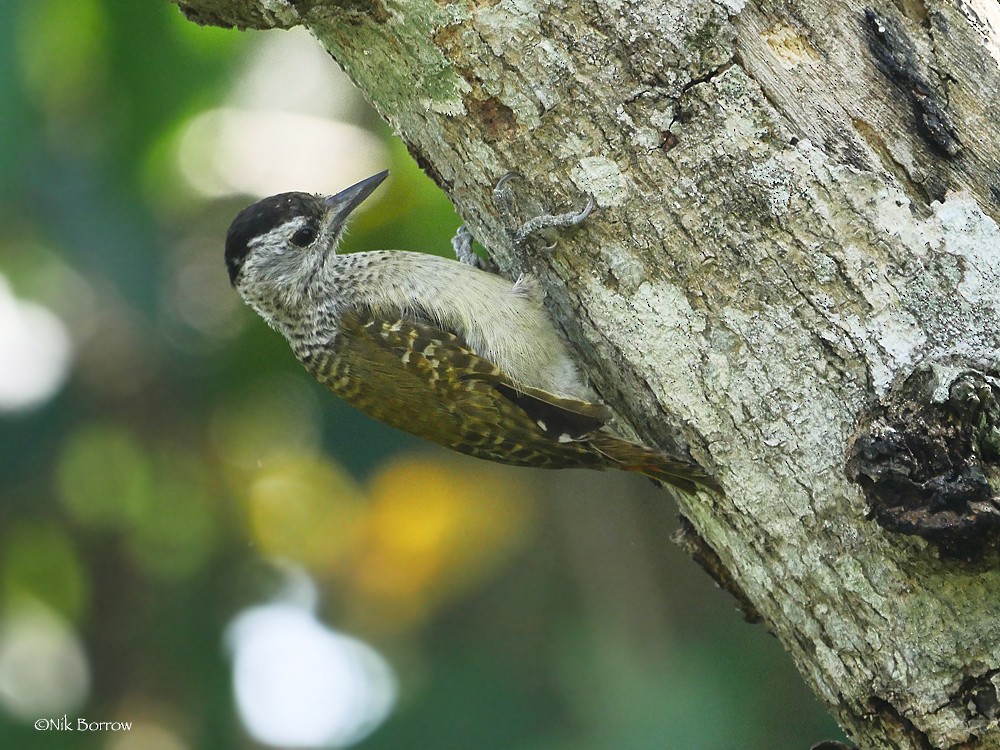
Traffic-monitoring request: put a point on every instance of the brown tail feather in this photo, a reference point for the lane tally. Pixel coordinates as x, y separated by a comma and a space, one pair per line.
628, 456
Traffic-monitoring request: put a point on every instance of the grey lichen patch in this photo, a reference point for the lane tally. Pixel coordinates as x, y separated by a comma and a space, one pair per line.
972, 237
364, 43
929, 460
503, 24
510, 31
601, 178
671, 44
627, 271
772, 181
662, 319
733, 103
712, 39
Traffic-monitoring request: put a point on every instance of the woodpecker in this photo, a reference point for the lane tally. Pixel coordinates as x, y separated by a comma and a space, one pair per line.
432, 346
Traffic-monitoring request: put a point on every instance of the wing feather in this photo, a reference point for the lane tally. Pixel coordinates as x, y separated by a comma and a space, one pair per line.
427, 381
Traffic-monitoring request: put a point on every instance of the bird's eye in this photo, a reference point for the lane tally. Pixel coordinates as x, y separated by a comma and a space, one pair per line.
304, 236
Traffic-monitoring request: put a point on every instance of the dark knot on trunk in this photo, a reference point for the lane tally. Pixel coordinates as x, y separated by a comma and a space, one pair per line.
928, 460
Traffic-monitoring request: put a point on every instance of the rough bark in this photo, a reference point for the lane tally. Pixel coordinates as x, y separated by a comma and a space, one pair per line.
793, 275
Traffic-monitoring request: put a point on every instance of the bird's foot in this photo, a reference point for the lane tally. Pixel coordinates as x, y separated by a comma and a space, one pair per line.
522, 232
461, 243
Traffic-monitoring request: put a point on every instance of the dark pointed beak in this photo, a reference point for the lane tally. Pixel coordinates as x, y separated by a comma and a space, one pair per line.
343, 203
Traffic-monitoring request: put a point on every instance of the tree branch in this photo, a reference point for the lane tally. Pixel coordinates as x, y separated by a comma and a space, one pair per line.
797, 217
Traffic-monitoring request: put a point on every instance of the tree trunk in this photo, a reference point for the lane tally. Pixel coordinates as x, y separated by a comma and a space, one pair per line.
793, 275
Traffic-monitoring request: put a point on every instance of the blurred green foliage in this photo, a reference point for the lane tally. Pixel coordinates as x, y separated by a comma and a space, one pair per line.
139, 504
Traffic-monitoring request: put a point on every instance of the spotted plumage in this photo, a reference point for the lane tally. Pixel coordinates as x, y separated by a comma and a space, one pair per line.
440, 349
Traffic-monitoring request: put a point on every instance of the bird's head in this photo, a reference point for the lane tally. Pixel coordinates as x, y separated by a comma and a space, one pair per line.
275, 247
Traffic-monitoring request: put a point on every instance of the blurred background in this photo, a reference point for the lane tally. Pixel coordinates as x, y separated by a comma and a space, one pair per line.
199, 541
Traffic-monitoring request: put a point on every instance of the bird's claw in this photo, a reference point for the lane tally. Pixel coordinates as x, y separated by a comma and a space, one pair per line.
522, 232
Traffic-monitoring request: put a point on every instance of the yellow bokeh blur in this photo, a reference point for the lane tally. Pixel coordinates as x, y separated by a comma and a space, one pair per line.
434, 530
305, 509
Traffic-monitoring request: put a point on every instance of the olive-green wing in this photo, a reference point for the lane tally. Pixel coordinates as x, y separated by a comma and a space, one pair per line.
426, 381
